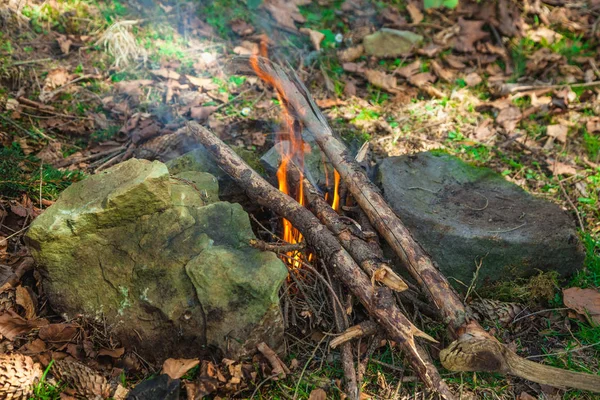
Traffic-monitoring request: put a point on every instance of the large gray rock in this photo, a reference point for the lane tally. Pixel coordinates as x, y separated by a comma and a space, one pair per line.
164, 262
462, 214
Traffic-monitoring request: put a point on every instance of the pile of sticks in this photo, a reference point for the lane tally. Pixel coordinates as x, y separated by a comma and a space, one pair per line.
357, 263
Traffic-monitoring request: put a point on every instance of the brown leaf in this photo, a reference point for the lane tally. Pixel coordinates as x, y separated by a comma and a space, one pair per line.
317, 394
381, 80
470, 33
57, 333
55, 78
349, 88
509, 117
24, 299
441, 72
13, 325
176, 368
64, 43
415, 14
328, 103
52, 153
473, 79
584, 301
35, 347
593, 125
354, 67
258, 139
509, 17
559, 168
241, 27
200, 114
316, 37
422, 79
285, 12
409, 70
113, 353
454, 61
133, 88
204, 83
525, 396
543, 33
166, 73
559, 132
351, 53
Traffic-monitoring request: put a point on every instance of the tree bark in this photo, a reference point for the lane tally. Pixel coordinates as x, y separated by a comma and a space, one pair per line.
378, 301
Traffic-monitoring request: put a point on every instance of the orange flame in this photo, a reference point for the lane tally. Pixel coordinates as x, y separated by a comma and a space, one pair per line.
293, 152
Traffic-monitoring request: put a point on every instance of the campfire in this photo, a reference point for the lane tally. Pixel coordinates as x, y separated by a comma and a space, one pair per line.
356, 260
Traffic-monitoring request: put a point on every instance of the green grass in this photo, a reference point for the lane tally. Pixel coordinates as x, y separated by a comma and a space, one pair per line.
589, 276
44, 390
22, 174
592, 145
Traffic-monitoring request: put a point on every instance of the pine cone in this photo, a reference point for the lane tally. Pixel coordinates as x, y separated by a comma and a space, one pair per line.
18, 374
495, 310
83, 379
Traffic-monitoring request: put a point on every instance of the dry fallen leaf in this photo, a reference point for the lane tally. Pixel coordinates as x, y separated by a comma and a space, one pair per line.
57, 333
559, 168
415, 14
509, 117
470, 33
113, 353
241, 27
593, 124
55, 78
316, 37
381, 80
166, 73
176, 368
559, 132
441, 72
584, 301
328, 103
543, 33
351, 53
25, 300
286, 12
200, 114
204, 83
13, 325
317, 394
409, 70
473, 79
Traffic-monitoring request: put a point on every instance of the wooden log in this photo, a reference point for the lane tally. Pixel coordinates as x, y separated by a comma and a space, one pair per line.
300, 104
378, 301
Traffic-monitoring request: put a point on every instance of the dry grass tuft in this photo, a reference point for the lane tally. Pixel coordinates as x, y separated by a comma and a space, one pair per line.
120, 43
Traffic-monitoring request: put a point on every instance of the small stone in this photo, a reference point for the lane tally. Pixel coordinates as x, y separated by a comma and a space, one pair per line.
391, 42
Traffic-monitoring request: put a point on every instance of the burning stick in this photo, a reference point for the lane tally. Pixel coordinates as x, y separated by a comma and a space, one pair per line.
378, 301
474, 349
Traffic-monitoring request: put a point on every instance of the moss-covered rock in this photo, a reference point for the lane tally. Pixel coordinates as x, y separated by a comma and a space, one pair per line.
155, 255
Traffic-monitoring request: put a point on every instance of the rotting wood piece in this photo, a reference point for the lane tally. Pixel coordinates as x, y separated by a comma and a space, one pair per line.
474, 353
378, 301
300, 104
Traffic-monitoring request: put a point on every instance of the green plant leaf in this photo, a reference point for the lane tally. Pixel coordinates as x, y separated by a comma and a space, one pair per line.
440, 3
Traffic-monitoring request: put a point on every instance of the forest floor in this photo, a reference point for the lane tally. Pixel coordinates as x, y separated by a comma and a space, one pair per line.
513, 86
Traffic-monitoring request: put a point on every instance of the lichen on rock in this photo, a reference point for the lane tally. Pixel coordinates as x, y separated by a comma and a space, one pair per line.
159, 256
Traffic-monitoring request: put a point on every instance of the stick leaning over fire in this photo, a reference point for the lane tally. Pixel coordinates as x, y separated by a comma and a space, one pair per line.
378, 301
474, 349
